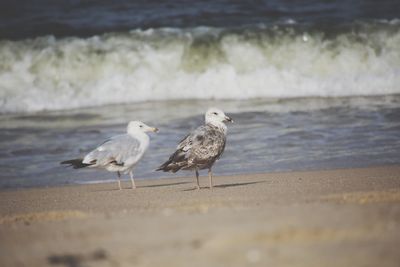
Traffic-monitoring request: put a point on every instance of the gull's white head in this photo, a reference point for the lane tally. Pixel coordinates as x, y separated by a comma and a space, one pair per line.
138, 126
216, 116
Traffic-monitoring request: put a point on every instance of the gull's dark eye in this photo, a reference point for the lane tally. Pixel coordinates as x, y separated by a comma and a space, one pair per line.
141, 126
215, 113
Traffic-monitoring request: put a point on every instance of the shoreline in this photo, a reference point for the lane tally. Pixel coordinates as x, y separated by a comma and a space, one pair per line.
309, 218
188, 178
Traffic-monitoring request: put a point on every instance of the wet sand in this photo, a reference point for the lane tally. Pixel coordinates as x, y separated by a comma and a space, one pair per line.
321, 218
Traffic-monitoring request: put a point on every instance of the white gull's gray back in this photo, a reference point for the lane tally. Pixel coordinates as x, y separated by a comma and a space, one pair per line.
119, 153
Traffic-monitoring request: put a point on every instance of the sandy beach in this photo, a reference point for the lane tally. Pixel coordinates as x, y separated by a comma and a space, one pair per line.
345, 217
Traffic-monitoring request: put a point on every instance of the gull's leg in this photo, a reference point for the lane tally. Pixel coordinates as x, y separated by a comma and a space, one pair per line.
197, 179
133, 181
119, 180
210, 178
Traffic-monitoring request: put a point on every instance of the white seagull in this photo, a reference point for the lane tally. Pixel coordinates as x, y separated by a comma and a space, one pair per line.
201, 148
120, 153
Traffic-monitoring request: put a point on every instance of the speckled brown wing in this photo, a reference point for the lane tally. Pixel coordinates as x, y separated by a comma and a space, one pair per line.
199, 150
207, 147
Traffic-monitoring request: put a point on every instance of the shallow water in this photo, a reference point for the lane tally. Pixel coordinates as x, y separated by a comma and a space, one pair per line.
268, 135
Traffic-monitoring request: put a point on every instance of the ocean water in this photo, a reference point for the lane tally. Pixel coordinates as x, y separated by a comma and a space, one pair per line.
267, 136
310, 85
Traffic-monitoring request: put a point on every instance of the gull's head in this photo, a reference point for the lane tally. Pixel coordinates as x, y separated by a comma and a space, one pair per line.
215, 116
138, 126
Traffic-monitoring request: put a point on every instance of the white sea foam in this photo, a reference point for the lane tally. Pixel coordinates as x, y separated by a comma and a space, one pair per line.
49, 74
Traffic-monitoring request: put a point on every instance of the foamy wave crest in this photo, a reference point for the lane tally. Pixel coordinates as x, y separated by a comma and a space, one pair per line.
48, 74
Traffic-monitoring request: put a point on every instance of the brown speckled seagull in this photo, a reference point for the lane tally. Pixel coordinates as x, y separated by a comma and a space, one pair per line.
201, 148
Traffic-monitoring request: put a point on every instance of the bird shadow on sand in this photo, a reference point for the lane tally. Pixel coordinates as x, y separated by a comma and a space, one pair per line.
162, 185
110, 189
226, 185
142, 186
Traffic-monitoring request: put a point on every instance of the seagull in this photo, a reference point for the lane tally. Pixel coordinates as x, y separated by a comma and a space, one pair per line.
200, 148
120, 153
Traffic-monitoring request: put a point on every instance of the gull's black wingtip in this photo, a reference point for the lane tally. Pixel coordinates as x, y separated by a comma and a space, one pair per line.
75, 163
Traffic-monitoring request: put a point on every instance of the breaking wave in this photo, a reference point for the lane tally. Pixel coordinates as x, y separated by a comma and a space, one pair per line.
46, 73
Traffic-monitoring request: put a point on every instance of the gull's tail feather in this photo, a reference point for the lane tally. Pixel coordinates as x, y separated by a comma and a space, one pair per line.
176, 162
168, 166
75, 163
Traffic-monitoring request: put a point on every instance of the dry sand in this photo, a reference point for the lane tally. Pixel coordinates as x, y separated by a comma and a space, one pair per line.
320, 218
